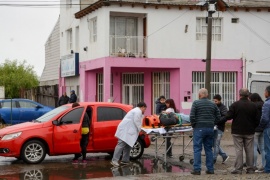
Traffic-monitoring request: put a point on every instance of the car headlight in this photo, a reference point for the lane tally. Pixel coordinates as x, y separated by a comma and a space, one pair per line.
11, 136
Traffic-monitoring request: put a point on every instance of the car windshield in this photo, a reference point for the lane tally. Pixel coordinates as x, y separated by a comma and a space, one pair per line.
46, 117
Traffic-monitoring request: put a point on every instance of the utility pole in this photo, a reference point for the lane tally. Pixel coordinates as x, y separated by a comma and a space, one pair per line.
211, 10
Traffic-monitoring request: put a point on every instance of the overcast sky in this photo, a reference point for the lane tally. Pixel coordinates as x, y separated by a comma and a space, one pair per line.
24, 32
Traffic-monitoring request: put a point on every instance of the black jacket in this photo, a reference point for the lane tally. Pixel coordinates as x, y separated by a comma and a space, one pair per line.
73, 98
160, 106
223, 111
63, 100
259, 106
245, 117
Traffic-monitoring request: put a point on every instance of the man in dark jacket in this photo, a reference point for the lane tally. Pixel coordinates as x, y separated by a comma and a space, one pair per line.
73, 97
203, 116
246, 118
160, 104
265, 125
219, 130
63, 99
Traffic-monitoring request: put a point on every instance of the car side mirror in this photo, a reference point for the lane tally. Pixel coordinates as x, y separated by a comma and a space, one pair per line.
55, 122
38, 106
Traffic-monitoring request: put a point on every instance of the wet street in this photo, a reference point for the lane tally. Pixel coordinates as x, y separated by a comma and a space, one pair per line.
98, 166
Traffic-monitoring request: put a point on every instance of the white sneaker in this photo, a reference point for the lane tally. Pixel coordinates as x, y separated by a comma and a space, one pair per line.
114, 163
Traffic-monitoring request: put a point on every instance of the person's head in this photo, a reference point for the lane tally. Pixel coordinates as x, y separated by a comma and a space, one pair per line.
75, 105
203, 93
267, 92
243, 93
64, 93
162, 99
255, 97
217, 99
72, 92
170, 104
142, 106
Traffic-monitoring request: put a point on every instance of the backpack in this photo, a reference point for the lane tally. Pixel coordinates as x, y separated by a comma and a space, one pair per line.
168, 119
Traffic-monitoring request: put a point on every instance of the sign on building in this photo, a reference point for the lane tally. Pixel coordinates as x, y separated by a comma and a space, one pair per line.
70, 65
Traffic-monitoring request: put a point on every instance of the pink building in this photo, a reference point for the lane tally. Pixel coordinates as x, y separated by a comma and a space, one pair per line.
126, 55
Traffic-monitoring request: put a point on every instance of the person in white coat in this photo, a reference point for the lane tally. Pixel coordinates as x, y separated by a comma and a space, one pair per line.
127, 133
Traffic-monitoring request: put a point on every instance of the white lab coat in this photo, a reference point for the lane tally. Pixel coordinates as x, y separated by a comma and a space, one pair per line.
130, 127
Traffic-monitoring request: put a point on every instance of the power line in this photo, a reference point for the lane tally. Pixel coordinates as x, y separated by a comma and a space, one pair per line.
259, 17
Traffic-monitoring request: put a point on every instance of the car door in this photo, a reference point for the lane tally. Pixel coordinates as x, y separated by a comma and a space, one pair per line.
10, 112
104, 128
28, 111
67, 134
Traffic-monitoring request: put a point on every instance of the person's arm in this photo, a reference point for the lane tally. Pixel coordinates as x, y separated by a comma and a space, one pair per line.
158, 108
223, 113
265, 119
193, 114
217, 115
138, 120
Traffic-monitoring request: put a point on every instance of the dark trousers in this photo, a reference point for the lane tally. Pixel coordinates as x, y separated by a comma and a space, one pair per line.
83, 143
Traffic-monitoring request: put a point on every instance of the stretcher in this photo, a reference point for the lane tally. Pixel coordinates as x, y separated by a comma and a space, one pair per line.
174, 132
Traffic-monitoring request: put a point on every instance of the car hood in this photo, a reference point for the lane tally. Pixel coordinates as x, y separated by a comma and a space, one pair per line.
20, 127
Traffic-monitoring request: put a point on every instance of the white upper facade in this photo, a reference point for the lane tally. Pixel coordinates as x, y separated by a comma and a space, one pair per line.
168, 31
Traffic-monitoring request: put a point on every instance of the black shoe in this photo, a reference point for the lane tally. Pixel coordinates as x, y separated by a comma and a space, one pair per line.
225, 159
195, 172
250, 172
236, 172
209, 172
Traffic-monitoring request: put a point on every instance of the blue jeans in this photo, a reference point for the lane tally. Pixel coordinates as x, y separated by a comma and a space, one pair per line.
205, 137
259, 143
266, 135
217, 149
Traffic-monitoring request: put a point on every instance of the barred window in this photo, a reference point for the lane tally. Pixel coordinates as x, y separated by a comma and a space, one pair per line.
223, 83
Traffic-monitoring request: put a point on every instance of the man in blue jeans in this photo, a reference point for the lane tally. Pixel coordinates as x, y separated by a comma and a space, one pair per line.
219, 130
265, 125
203, 116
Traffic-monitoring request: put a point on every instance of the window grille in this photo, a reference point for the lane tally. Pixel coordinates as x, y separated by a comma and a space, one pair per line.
161, 86
133, 88
99, 87
223, 83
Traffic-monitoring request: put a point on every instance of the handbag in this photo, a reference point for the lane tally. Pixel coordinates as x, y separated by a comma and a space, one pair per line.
168, 119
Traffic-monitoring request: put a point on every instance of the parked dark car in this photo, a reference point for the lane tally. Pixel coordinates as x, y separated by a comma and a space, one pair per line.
14, 111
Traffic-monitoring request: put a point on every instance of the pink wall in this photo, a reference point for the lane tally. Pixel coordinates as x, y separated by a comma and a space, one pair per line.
180, 73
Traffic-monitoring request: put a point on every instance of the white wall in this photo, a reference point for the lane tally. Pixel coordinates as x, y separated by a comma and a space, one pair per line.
248, 39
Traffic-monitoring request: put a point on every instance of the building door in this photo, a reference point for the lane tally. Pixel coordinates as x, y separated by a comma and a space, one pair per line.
133, 88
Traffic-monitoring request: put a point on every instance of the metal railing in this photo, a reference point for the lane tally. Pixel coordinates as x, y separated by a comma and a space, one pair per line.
128, 46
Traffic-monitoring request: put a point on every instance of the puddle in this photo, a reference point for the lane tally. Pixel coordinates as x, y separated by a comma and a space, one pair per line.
95, 168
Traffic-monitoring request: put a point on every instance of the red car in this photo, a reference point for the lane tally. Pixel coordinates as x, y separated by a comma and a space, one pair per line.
58, 132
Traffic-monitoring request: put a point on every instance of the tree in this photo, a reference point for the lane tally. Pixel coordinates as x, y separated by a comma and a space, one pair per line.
16, 76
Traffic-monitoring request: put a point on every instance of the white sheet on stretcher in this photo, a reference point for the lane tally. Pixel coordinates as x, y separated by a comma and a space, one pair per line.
163, 131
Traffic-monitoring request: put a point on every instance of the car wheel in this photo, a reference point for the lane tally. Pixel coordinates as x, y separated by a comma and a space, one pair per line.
137, 150
32, 174
33, 152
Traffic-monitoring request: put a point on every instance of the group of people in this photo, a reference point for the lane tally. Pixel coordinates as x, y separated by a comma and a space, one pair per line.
64, 99
250, 130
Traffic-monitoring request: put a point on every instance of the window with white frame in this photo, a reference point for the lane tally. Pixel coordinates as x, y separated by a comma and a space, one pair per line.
123, 34
93, 30
161, 86
201, 29
223, 83
69, 39
100, 87
77, 39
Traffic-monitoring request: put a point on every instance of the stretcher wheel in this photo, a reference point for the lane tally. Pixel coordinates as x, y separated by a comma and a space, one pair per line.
191, 161
153, 139
181, 158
